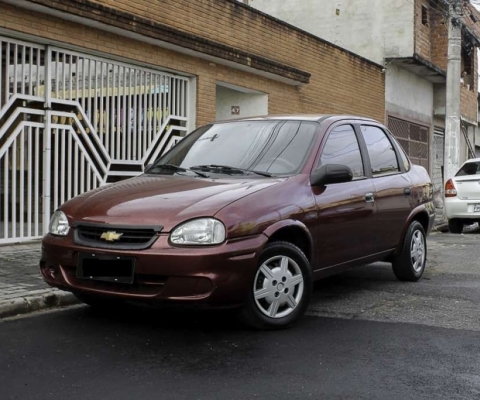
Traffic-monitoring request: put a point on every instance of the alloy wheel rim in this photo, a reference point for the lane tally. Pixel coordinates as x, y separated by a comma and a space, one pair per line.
278, 287
417, 251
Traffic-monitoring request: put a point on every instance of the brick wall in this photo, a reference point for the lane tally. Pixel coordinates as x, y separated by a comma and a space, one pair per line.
468, 102
422, 32
439, 40
340, 82
431, 43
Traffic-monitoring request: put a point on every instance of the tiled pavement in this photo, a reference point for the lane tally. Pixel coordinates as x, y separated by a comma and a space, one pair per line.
22, 289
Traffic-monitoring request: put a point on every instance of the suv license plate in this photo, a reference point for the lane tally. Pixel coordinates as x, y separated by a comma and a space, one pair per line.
105, 268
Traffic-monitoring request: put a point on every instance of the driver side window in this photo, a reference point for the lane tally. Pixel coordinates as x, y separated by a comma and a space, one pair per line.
342, 148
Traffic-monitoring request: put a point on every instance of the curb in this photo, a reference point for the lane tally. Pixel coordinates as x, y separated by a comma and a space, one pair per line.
28, 304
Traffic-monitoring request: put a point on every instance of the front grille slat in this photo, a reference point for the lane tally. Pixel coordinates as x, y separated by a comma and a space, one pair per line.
131, 237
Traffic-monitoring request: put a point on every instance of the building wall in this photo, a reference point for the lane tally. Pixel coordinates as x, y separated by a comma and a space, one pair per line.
408, 95
249, 104
431, 43
374, 29
439, 41
410, 99
340, 82
423, 30
468, 102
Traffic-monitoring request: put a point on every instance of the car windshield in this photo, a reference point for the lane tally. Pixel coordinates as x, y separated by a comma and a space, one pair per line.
470, 168
245, 147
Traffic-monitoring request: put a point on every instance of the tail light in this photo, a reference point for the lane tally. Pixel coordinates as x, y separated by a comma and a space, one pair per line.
450, 190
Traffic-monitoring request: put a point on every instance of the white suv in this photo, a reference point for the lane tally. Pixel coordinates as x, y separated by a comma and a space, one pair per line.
462, 196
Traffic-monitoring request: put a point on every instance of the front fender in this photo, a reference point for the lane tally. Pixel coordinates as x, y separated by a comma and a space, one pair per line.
297, 226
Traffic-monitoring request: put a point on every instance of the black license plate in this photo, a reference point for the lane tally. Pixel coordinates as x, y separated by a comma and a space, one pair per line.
106, 268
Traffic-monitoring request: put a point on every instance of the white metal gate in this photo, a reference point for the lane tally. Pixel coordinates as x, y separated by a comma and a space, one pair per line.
71, 122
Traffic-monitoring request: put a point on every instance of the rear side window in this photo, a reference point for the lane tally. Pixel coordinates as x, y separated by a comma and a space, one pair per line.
383, 158
470, 168
342, 148
405, 161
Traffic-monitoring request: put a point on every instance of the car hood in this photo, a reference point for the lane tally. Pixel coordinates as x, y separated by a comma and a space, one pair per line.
160, 200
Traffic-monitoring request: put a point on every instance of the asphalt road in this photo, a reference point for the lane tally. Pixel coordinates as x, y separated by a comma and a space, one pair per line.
367, 336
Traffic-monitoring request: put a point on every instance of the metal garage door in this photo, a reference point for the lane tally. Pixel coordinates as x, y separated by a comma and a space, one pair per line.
438, 154
414, 139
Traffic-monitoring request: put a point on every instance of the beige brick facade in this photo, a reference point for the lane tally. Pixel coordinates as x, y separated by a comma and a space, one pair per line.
339, 83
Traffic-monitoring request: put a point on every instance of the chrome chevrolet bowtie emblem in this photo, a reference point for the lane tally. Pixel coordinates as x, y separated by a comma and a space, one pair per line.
111, 236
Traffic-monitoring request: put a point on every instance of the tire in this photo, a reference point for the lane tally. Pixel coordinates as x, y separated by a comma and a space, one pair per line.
455, 225
281, 290
99, 303
409, 264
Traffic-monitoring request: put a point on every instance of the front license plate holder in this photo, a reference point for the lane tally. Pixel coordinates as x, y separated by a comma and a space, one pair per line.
107, 268
476, 208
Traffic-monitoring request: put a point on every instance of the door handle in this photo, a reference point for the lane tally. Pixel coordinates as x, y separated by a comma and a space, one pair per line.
369, 197
407, 191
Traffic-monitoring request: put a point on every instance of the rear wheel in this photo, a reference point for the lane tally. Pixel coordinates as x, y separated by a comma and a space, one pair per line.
409, 264
455, 225
281, 290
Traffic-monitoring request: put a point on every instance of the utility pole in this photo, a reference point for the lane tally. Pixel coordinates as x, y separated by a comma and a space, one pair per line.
452, 110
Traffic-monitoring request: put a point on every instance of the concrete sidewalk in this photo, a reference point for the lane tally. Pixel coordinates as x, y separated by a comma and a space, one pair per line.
22, 289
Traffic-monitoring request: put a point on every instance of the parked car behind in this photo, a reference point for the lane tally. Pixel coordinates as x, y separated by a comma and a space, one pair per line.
462, 196
247, 214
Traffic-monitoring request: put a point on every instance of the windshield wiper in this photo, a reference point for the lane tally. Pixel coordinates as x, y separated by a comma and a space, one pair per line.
173, 167
229, 170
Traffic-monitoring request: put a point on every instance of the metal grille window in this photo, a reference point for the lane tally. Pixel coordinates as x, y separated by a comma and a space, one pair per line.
413, 138
71, 122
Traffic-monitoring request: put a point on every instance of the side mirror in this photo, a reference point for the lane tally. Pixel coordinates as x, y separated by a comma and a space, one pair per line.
331, 173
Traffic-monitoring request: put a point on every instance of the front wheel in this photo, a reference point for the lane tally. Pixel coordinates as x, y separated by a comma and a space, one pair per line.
409, 264
281, 290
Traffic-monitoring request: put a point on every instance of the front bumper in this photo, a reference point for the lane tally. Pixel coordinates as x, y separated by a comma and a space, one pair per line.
215, 275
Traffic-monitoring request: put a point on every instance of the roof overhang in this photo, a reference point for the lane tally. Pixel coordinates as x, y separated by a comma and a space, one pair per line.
419, 66
101, 17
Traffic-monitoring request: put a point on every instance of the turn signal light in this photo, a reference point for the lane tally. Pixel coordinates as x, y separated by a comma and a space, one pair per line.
450, 190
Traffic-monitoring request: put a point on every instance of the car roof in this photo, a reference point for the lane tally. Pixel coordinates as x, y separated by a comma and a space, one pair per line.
472, 160
299, 117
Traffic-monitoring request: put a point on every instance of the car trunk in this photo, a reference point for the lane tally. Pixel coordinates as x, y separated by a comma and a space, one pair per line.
468, 187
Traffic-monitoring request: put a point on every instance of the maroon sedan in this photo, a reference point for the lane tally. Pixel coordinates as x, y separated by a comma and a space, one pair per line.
246, 214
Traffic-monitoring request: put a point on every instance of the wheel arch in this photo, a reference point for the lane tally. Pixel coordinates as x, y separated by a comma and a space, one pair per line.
294, 232
420, 215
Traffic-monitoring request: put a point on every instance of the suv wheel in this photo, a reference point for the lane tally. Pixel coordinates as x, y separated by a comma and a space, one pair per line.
409, 264
455, 225
281, 290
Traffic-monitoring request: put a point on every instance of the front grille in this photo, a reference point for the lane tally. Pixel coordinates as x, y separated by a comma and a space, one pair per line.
115, 236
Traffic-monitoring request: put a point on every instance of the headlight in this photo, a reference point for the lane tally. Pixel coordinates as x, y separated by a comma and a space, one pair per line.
199, 231
59, 224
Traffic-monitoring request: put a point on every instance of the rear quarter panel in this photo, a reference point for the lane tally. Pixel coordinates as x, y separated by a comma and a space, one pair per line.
421, 200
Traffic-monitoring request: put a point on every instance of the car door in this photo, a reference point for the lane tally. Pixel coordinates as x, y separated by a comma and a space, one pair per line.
393, 188
345, 210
